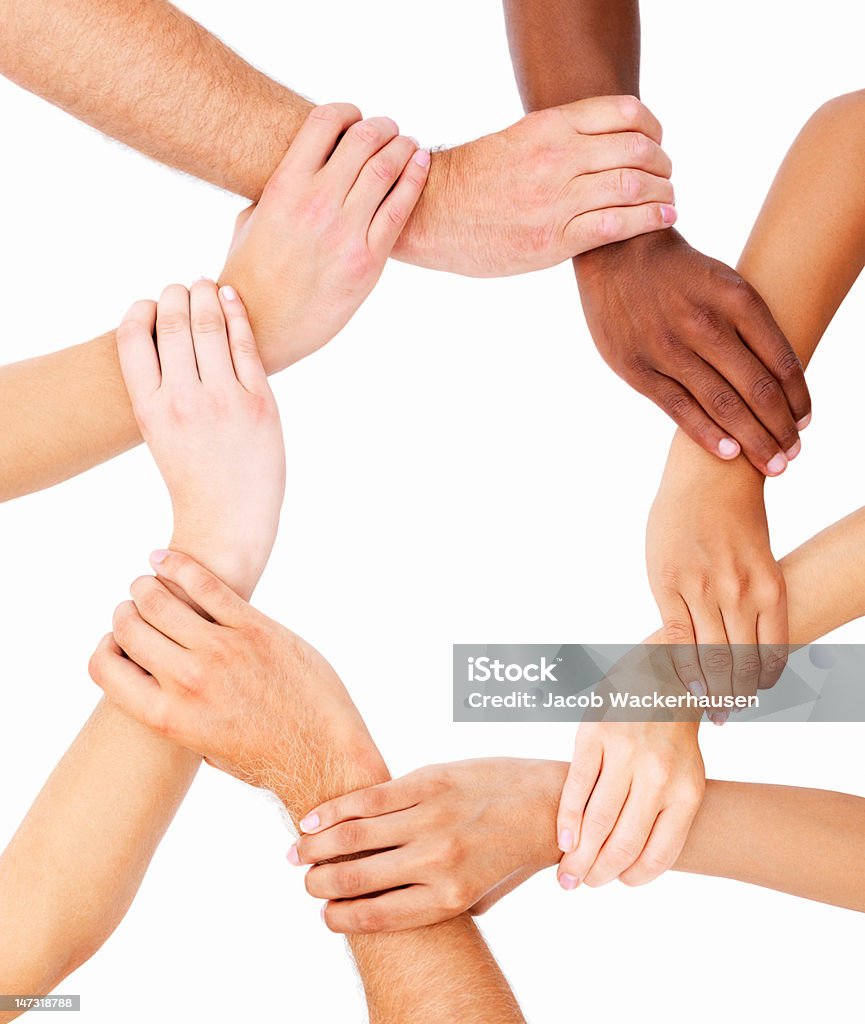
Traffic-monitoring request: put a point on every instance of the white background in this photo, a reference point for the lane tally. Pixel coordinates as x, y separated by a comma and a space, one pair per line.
463, 468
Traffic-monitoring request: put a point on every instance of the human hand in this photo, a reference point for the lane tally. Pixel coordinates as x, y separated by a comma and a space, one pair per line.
719, 590
692, 335
204, 407
554, 184
632, 791
228, 683
452, 837
307, 255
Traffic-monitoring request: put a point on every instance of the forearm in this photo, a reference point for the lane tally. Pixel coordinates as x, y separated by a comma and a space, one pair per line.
444, 972
73, 867
803, 266
144, 73
62, 414
565, 50
799, 841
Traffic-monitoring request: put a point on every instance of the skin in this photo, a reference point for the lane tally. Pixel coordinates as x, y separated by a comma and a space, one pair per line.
685, 330
319, 237
144, 73
235, 687
711, 567
460, 836
200, 396
634, 788
78, 412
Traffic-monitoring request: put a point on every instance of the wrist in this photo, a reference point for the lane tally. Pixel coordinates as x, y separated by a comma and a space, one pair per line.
420, 241
688, 465
238, 565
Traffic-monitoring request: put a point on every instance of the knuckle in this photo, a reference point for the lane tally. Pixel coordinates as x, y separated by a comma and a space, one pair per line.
367, 132
455, 897
608, 226
600, 822
128, 330
396, 213
677, 632
639, 145
631, 108
676, 404
718, 659
726, 403
788, 366
351, 880
766, 391
448, 850
628, 183
624, 852
327, 113
371, 802
746, 668
172, 323
351, 837
385, 170
207, 323
367, 918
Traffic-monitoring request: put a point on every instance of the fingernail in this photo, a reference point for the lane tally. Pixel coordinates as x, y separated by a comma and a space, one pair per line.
566, 840
293, 857
310, 822
568, 882
228, 293
776, 465
801, 424
203, 279
728, 448
719, 717
697, 688
791, 453
158, 557
322, 912
422, 158
411, 138
669, 214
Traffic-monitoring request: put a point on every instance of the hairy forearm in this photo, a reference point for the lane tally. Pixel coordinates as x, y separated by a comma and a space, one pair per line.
73, 867
444, 972
144, 73
565, 50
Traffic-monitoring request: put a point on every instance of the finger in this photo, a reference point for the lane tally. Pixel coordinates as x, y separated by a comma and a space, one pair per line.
350, 838
758, 388
716, 658
207, 591
209, 337
361, 877
725, 405
622, 149
145, 645
167, 613
136, 350
601, 115
127, 684
241, 342
622, 187
582, 776
763, 336
600, 817
616, 224
664, 845
385, 798
740, 625
394, 212
773, 638
391, 912
626, 841
680, 405
356, 151
681, 642
377, 177
315, 141
174, 337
